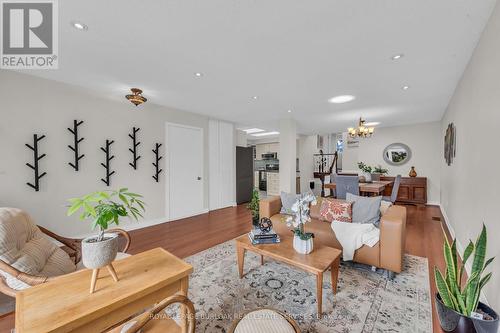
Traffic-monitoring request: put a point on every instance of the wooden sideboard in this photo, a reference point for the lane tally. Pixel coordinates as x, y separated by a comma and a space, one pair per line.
413, 190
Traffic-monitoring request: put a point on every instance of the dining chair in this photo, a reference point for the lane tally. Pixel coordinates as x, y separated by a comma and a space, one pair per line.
395, 190
346, 184
333, 177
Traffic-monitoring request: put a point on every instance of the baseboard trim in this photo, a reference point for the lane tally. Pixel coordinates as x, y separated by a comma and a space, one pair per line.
460, 248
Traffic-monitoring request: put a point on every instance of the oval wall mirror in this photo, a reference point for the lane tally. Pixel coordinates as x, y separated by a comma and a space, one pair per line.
397, 154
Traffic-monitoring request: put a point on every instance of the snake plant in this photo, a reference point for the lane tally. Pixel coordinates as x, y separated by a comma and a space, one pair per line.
463, 298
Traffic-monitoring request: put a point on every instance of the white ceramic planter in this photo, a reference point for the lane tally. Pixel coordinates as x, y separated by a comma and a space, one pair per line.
302, 246
99, 254
368, 177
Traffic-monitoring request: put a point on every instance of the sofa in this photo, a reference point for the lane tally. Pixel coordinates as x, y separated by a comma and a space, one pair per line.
386, 254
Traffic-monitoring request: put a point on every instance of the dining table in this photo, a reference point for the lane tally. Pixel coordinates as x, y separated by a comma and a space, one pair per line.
373, 188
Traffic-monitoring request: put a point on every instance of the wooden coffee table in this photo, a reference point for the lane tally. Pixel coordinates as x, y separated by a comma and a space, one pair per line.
317, 262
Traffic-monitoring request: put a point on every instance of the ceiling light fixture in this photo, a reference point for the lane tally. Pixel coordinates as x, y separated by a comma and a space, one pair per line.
136, 97
373, 123
363, 131
341, 99
198, 74
397, 56
255, 97
253, 130
289, 111
79, 25
405, 87
266, 134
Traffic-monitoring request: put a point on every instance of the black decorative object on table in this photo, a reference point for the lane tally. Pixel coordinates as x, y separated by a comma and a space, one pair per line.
107, 165
265, 224
35, 165
76, 143
133, 150
156, 163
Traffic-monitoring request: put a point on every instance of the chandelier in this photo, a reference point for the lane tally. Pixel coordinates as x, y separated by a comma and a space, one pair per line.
136, 97
362, 131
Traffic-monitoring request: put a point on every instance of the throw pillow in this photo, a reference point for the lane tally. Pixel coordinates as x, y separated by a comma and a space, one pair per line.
365, 209
287, 201
336, 210
314, 211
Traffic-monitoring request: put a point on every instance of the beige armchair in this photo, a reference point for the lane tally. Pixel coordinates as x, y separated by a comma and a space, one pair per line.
28, 257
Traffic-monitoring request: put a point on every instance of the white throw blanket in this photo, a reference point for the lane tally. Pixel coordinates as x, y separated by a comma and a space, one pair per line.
352, 236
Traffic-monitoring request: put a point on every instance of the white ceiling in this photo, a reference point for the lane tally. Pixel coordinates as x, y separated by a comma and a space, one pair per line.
292, 54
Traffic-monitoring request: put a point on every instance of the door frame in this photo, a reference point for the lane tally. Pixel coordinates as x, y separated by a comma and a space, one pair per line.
169, 169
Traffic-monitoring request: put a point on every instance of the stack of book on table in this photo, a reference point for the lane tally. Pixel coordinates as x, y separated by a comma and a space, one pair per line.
259, 237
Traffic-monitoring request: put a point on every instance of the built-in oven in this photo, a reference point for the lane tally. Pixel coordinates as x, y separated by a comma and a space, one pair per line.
262, 180
270, 156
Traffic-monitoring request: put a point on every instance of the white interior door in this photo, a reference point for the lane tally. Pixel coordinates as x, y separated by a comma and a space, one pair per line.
185, 185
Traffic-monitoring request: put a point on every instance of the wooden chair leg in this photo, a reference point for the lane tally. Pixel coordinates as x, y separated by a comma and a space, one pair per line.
112, 271
95, 273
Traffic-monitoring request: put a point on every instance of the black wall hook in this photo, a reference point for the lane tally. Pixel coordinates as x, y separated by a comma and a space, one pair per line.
156, 164
107, 164
36, 158
134, 150
76, 142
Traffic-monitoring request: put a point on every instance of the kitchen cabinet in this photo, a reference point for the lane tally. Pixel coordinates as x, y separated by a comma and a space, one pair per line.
259, 150
274, 148
266, 148
273, 183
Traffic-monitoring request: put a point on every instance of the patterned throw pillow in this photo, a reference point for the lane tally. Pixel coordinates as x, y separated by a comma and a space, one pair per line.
335, 209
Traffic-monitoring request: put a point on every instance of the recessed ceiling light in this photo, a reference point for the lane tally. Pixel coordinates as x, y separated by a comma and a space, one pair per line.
373, 123
255, 97
289, 111
341, 99
266, 134
198, 74
397, 56
79, 25
405, 87
253, 130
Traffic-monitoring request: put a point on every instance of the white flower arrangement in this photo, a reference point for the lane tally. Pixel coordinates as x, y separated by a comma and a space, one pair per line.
301, 214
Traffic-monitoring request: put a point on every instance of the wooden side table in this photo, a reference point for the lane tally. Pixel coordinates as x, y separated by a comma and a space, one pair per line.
65, 305
317, 262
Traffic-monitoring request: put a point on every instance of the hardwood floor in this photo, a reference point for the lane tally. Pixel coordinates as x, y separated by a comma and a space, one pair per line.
189, 236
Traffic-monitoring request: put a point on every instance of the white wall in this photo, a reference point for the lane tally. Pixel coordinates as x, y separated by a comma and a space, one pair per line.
288, 155
222, 164
425, 143
33, 105
469, 187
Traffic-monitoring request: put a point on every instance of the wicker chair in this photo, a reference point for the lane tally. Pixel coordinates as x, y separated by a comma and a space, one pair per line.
264, 320
15, 256
151, 322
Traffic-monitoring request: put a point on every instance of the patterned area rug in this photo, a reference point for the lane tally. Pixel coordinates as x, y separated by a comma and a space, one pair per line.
365, 301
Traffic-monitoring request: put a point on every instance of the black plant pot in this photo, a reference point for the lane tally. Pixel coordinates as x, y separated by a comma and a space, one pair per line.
255, 221
454, 322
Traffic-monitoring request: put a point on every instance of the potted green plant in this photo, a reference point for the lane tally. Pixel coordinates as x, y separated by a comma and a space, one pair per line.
458, 306
100, 250
254, 207
378, 171
367, 171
